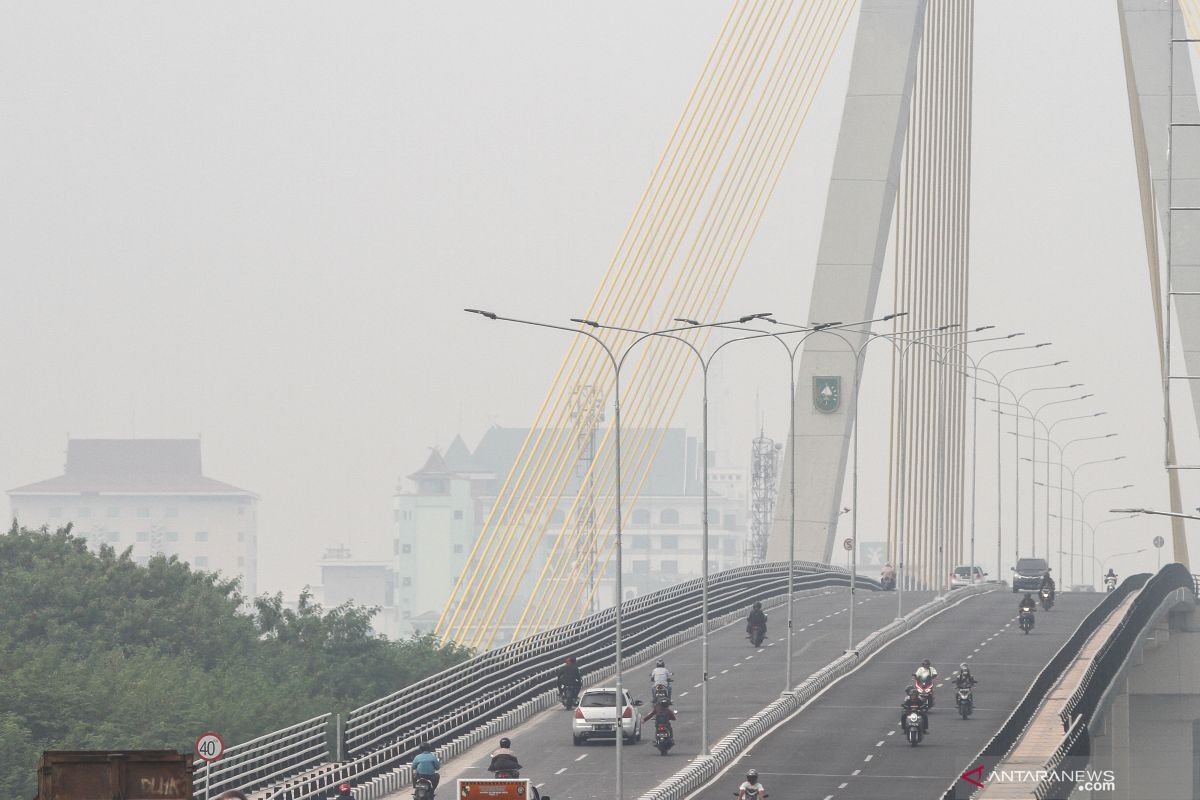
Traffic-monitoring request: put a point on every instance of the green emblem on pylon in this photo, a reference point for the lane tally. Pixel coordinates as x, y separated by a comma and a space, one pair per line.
827, 393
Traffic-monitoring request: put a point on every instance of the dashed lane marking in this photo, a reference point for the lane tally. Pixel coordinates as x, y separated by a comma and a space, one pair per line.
582, 757
724, 671
843, 785
683, 694
697, 686
868, 758
855, 772
879, 743
891, 733
561, 771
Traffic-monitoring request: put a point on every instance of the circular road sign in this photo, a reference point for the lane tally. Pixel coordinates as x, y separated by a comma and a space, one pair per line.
848, 544
1159, 541
210, 746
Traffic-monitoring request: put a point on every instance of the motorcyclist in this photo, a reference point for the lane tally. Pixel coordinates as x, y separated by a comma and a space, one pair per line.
751, 789
963, 679
343, 792
568, 675
913, 702
504, 759
661, 713
426, 765
757, 617
660, 674
926, 672
1110, 575
1047, 584
888, 573
1028, 604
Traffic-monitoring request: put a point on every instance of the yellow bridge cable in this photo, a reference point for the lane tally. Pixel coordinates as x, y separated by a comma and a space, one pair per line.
559, 552
580, 345
781, 85
636, 322
562, 584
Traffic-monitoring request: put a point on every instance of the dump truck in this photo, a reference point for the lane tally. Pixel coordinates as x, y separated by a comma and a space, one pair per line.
114, 775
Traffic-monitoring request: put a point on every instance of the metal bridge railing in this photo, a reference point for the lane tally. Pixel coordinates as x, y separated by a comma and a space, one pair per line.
492, 691
265, 760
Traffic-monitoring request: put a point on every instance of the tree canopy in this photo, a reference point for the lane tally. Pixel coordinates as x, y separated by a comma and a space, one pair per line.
98, 652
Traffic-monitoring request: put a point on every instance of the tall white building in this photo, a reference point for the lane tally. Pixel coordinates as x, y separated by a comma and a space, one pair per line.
439, 516
148, 494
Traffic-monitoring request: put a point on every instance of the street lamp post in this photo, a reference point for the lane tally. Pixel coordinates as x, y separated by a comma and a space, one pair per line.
616, 361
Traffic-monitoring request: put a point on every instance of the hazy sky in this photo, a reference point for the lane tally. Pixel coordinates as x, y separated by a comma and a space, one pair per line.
259, 223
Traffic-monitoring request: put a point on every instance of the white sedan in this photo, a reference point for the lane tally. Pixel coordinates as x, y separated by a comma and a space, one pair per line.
596, 716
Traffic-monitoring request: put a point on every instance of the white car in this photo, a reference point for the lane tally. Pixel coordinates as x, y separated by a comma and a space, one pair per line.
962, 576
596, 716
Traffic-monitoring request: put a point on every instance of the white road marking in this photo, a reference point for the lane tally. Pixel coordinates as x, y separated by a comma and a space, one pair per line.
582, 757
724, 671
879, 743
891, 733
971, 656
750, 657
772, 644
738, 664
697, 686
868, 758
828, 797
843, 786
683, 694
561, 771
976, 650
855, 772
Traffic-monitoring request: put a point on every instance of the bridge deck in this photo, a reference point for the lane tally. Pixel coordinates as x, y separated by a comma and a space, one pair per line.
1045, 731
743, 681
846, 744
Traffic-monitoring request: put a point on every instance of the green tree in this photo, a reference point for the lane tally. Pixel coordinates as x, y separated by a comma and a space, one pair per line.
98, 652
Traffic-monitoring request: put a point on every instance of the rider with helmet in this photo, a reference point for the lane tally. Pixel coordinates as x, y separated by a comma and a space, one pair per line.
568, 676
963, 679
751, 789
426, 765
1028, 604
926, 672
504, 759
661, 675
913, 702
757, 617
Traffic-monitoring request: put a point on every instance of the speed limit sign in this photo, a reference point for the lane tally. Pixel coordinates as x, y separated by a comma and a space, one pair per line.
1159, 541
210, 746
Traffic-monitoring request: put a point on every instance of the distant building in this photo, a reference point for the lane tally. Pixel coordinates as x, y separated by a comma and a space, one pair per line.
148, 494
364, 583
439, 518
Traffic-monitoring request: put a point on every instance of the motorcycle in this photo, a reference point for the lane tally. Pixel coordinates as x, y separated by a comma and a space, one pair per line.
965, 702
422, 789
664, 737
1027, 621
661, 693
912, 728
1110, 583
924, 690
1047, 599
756, 635
569, 696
